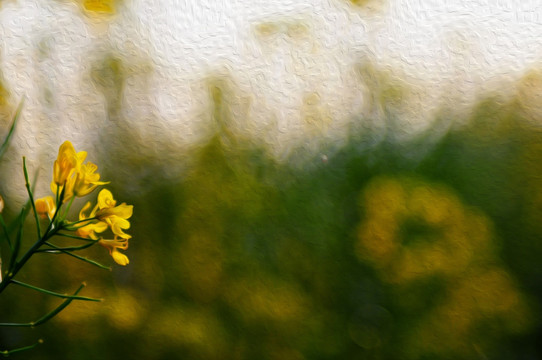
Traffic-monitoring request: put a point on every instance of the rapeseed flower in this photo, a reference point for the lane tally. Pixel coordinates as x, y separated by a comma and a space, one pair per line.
74, 178
106, 214
71, 175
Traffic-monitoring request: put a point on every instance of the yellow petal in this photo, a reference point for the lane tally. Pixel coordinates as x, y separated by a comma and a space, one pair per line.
81, 156
105, 199
82, 215
66, 161
117, 225
45, 207
66, 147
120, 258
123, 211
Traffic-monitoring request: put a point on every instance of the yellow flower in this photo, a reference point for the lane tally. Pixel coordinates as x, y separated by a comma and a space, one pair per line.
45, 207
113, 246
70, 173
89, 230
66, 162
115, 216
86, 180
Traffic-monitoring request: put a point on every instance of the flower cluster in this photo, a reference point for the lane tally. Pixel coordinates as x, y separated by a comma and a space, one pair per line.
73, 178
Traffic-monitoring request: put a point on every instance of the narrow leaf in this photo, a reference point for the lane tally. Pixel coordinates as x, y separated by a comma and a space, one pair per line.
27, 184
67, 248
76, 237
5, 144
61, 307
6, 232
49, 292
7, 353
49, 315
78, 257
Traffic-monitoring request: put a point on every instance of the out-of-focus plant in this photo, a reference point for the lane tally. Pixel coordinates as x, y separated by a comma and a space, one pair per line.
72, 178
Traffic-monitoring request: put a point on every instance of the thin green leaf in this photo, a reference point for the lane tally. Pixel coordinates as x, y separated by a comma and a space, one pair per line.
49, 315
6, 232
27, 184
78, 257
76, 237
7, 139
7, 353
20, 218
61, 307
16, 246
84, 221
68, 248
49, 292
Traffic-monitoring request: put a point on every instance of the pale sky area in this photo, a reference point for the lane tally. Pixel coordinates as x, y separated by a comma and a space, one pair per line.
289, 60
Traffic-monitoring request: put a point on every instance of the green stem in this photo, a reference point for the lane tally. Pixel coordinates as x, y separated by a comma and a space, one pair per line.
17, 265
49, 292
6, 232
69, 205
7, 139
7, 353
17, 246
84, 220
77, 256
69, 248
27, 184
76, 237
49, 315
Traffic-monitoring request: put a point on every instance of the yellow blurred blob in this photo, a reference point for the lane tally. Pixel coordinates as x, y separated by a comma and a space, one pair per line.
413, 229
125, 310
194, 328
482, 294
262, 299
488, 291
379, 244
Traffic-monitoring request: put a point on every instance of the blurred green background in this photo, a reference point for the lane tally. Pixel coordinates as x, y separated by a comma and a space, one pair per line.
376, 247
